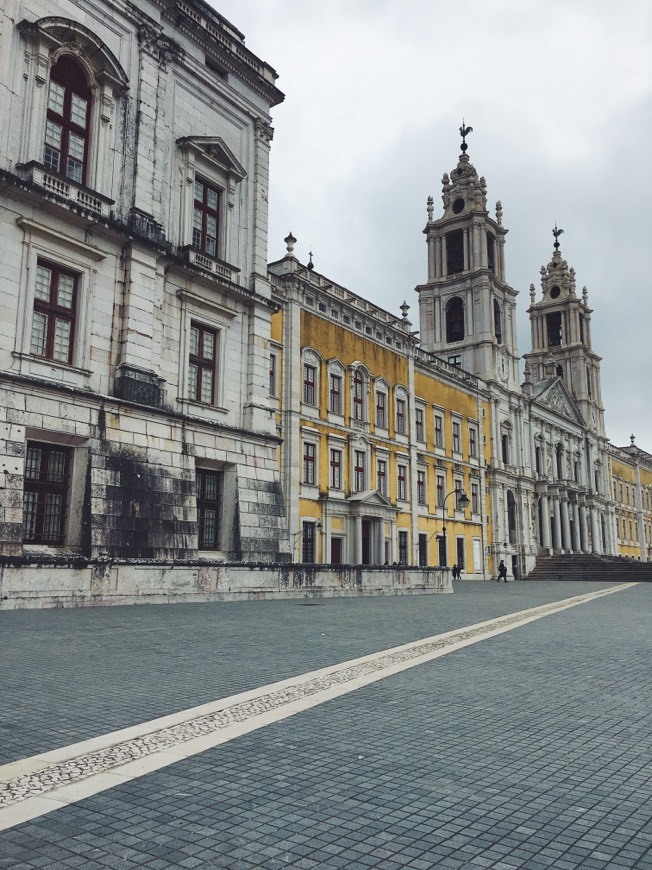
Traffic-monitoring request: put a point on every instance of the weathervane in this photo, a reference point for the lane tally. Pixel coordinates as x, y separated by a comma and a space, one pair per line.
556, 233
464, 132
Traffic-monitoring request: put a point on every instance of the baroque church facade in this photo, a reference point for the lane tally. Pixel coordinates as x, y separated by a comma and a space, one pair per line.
167, 397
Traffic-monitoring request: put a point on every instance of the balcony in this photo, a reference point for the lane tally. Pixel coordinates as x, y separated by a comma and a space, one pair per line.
63, 188
216, 267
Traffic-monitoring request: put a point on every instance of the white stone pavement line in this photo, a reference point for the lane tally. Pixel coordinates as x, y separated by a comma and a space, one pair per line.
34, 786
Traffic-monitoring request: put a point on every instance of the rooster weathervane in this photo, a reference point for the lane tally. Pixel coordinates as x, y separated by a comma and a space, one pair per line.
464, 132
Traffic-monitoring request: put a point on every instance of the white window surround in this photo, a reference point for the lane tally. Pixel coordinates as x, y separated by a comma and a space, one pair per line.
401, 394
366, 381
44, 243
381, 386
47, 40
209, 158
205, 316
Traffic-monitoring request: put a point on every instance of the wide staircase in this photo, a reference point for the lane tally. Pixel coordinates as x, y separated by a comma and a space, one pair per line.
608, 569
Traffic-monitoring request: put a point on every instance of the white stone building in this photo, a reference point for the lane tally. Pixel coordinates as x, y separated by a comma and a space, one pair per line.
135, 306
549, 471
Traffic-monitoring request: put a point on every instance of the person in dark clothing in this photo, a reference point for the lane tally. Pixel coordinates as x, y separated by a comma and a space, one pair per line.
456, 572
502, 572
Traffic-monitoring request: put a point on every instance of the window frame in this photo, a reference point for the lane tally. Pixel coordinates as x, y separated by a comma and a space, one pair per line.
439, 431
400, 411
309, 463
359, 470
335, 383
357, 396
381, 476
202, 475
473, 442
456, 434
55, 313
47, 487
401, 482
420, 424
72, 87
422, 489
381, 409
335, 468
309, 391
203, 364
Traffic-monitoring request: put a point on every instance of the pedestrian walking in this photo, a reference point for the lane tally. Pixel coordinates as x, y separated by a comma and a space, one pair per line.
502, 572
456, 572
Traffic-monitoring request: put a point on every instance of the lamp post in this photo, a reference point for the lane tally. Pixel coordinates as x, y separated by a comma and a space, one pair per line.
462, 501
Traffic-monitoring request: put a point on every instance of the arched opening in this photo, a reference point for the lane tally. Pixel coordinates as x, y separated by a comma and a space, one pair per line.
560, 371
454, 319
68, 121
498, 322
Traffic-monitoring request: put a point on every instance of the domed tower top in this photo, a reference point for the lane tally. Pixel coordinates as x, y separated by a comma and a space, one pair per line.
463, 191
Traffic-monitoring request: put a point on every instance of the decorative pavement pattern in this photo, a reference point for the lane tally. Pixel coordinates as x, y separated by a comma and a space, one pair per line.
121, 753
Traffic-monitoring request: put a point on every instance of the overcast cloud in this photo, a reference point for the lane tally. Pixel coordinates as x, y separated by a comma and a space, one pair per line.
560, 98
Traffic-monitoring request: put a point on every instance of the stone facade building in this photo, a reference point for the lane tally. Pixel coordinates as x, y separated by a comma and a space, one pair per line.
135, 301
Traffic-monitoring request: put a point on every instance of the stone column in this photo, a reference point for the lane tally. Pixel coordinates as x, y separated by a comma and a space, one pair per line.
595, 530
567, 544
544, 510
556, 524
357, 541
584, 534
577, 543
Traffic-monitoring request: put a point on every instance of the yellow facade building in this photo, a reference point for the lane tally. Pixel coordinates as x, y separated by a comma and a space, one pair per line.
631, 475
384, 447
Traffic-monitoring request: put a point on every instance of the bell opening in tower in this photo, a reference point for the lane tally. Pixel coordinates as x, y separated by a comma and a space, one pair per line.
553, 322
455, 251
454, 319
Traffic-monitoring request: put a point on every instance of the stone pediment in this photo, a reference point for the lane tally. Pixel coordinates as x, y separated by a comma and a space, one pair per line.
555, 396
371, 498
215, 150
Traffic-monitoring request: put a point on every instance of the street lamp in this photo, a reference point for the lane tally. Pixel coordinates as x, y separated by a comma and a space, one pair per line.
462, 502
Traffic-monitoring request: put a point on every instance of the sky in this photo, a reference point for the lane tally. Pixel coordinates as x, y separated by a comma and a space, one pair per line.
559, 95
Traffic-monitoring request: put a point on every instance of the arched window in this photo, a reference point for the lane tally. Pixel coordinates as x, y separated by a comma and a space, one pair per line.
455, 319
498, 322
68, 121
560, 371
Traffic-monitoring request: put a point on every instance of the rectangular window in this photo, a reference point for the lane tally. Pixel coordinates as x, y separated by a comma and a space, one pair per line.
473, 442
47, 485
475, 498
308, 542
439, 430
421, 486
381, 410
400, 416
206, 218
455, 360
459, 488
455, 252
202, 364
336, 469
401, 483
441, 490
309, 379
423, 550
457, 441
403, 548
55, 303
461, 549
358, 394
418, 422
272, 374
309, 454
381, 476
209, 508
335, 394
359, 471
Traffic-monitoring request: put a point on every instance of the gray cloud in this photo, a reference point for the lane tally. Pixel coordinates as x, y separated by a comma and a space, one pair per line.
560, 98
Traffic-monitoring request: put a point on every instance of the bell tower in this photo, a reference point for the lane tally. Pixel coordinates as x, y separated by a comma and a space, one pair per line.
467, 310
560, 324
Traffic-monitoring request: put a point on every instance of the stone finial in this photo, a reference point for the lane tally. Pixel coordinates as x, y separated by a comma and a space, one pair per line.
290, 241
430, 208
310, 265
631, 438
585, 295
404, 309
572, 283
533, 294
499, 213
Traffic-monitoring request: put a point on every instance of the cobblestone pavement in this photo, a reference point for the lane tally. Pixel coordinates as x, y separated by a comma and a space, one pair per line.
531, 749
